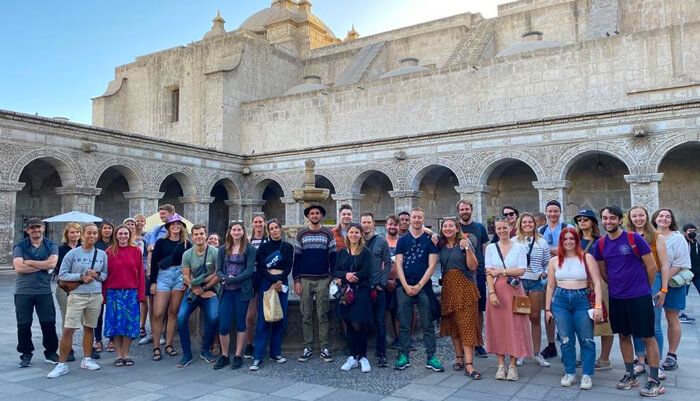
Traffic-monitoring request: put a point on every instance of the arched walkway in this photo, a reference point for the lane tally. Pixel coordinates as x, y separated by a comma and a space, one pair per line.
111, 203
438, 195
175, 186
511, 181
272, 194
220, 212
38, 197
597, 180
680, 187
375, 187
329, 204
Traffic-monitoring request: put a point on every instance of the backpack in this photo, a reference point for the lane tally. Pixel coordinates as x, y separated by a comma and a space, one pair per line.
544, 227
630, 241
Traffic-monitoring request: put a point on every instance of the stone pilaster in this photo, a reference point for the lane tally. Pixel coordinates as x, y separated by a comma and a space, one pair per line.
81, 199
477, 195
293, 211
352, 199
404, 201
246, 209
196, 208
143, 202
644, 190
234, 209
8, 198
552, 190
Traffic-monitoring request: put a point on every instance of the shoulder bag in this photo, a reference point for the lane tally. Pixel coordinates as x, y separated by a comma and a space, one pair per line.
70, 285
591, 294
521, 303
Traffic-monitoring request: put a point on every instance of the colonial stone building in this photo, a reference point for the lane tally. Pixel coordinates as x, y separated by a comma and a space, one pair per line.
586, 101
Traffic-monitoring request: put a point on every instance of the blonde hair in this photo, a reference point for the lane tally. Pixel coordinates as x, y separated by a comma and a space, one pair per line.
648, 229
360, 244
520, 234
67, 228
113, 248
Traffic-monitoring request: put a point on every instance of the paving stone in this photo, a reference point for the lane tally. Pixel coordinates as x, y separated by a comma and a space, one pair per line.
350, 395
190, 390
237, 395
424, 392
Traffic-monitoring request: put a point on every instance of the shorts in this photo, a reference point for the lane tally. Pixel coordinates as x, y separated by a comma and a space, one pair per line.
633, 316
532, 285
481, 285
675, 298
83, 310
170, 279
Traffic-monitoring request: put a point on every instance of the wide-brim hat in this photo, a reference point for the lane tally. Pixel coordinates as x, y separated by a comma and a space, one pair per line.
173, 219
319, 207
587, 213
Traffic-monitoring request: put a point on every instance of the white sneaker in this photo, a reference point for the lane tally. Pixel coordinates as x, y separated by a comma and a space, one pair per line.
162, 340
364, 363
349, 364
586, 382
59, 370
567, 380
541, 361
146, 340
519, 361
662, 374
89, 364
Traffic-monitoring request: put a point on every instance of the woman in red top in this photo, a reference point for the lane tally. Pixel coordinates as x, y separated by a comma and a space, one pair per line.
123, 290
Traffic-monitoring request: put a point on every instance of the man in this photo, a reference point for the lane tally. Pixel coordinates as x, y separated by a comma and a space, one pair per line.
476, 232
314, 258
690, 232
404, 223
416, 258
164, 213
392, 238
32, 259
341, 230
381, 268
628, 266
199, 275
511, 214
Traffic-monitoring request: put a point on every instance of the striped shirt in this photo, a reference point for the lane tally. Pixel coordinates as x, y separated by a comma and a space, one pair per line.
539, 257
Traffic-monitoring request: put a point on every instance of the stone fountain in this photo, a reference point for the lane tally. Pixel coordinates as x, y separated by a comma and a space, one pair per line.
309, 194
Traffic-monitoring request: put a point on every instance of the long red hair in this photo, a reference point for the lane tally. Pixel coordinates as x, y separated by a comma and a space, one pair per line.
561, 253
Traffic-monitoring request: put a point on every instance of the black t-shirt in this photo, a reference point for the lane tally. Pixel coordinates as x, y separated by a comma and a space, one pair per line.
478, 237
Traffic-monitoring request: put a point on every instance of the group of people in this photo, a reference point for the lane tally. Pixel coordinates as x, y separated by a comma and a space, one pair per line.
587, 284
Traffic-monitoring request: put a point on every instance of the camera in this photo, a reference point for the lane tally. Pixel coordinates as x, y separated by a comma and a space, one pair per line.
513, 281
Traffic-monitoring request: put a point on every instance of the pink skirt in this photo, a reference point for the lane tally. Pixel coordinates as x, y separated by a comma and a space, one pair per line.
507, 333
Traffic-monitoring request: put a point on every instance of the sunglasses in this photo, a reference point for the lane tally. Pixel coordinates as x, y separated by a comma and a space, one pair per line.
580, 219
37, 227
508, 214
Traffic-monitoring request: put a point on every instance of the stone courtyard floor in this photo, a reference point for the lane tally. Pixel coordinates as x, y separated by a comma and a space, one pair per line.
313, 380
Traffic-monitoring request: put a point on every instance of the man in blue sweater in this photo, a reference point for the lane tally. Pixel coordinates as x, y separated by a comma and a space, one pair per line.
314, 257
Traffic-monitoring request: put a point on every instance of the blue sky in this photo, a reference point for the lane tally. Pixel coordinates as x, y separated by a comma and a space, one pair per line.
57, 55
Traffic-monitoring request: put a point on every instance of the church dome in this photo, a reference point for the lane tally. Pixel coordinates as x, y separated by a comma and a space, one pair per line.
531, 41
311, 83
283, 10
409, 65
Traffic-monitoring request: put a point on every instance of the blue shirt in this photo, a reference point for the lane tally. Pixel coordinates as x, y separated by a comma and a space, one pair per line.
37, 282
155, 234
552, 236
416, 252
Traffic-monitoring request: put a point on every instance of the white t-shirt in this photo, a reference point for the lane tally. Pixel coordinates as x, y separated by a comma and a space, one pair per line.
677, 249
516, 257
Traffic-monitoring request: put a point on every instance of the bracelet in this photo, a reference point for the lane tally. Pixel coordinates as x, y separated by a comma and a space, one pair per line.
547, 310
598, 306
664, 290
492, 292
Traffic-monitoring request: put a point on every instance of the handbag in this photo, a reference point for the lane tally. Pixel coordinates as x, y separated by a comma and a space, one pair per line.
591, 295
70, 285
683, 278
272, 307
521, 303
348, 295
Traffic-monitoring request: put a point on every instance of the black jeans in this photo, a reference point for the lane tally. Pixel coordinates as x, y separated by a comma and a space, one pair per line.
45, 309
379, 309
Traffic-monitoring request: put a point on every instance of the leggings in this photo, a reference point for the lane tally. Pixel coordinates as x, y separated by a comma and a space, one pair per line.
357, 338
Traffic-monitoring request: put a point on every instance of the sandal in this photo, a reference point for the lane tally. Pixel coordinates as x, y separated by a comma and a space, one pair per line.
119, 362
156, 354
473, 374
128, 362
170, 350
98, 346
458, 365
111, 347
142, 332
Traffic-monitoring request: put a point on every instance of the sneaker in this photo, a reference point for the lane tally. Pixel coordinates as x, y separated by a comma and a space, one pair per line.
640, 369
519, 361
207, 357
364, 364
89, 364
395, 344
278, 359
94, 354
59, 370
185, 361
249, 351
550, 351
603, 365
51, 358
162, 339
500, 373
512, 373
480, 352
652, 389
256, 365
586, 382
662, 374
627, 382
71, 356
568, 379
402, 362
382, 361
433, 363
541, 361
146, 340
686, 319
350, 363
236, 362
326, 355
221, 363
670, 363
306, 355
25, 360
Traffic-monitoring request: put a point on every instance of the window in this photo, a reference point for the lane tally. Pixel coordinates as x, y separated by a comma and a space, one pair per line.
174, 105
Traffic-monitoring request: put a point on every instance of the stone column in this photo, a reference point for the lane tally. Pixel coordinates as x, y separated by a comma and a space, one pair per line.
644, 190
404, 201
8, 198
81, 199
144, 202
247, 208
196, 208
476, 194
552, 190
234, 209
293, 211
352, 199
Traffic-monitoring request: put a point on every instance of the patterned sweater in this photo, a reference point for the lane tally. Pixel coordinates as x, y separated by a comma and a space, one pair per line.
314, 254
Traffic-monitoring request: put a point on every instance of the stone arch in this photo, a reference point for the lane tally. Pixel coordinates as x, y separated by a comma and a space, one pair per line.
68, 170
182, 176
577, 152
419, 171
233, 188
493, 161
680, 182
669, 144
509, 181
359, 178
131, 171
258, 187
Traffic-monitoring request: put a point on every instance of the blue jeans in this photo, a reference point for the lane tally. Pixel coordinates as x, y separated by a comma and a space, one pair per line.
272, 332
211, 308
231, 305
379, 309
639, 348
570, 310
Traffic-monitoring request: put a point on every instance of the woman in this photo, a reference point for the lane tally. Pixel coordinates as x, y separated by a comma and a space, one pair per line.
534, 278
507, 332
274, 263
678, 259
257, 238
123, 291
236, 269
567, 302
139, 222
460, 296
214, 240
352, 272
166, 282
638, 221
71, 240
511, 214
105, 238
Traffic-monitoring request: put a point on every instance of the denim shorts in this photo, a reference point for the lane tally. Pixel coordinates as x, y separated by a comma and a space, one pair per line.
170, 279
532, 285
